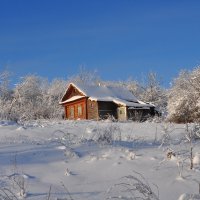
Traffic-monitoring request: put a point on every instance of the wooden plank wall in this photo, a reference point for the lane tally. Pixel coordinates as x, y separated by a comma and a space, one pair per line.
92, 108
75, 104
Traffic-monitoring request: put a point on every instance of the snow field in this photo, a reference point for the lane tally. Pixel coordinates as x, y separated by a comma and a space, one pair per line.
76, 155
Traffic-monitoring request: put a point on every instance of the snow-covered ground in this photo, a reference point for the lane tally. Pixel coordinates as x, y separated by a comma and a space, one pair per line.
88, 160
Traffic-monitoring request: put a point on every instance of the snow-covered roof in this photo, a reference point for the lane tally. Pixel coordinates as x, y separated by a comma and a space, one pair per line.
72, 99
117, 95
102, 92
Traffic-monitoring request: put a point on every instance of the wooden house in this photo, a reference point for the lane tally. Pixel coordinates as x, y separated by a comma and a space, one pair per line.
99, 102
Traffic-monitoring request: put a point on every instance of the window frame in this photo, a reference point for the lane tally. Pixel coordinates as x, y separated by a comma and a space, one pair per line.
72, 112
80, 110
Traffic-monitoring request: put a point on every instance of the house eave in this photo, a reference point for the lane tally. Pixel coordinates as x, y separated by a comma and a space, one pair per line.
72, 99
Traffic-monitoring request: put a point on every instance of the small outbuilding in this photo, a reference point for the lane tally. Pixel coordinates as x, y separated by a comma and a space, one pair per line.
99, 102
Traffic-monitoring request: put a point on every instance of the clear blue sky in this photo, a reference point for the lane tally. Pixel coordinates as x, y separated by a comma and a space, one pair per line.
118, 38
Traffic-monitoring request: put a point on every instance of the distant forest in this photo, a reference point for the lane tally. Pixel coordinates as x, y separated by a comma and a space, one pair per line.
34, 97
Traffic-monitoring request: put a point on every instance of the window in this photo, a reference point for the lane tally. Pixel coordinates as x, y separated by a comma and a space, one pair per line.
79, 110
91, 105
72, 112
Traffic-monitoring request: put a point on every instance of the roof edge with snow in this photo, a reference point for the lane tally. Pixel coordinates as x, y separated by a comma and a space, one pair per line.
74, 98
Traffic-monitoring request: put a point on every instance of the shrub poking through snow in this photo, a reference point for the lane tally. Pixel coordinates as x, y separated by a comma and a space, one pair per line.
67, 172
170, 154
196, 130
109, 134
132, 187
7, 194
189, 197
105, 137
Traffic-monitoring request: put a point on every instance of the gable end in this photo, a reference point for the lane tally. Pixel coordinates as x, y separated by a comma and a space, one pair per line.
70, 92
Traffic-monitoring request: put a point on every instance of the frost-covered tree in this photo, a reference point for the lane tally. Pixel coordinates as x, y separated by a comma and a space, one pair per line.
35, 98
32, 98
184, 97
5, 94
150, 90
4, 85
52, 97
85, 77
135, 87
153, 92
28, 98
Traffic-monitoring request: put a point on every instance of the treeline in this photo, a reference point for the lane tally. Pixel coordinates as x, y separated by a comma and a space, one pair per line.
35, 97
